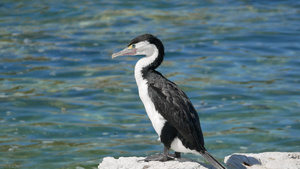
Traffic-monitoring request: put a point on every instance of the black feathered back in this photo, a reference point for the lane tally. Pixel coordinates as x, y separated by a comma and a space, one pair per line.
174, 105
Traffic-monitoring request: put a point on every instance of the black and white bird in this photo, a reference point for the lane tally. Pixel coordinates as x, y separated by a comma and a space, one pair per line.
172, 114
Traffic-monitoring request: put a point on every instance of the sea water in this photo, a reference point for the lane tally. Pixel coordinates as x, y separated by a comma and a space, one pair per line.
64, 103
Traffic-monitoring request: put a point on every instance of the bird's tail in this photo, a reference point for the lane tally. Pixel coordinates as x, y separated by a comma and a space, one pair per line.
211, 159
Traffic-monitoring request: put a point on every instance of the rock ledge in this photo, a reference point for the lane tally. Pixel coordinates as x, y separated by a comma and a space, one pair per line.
138, 163
267, 160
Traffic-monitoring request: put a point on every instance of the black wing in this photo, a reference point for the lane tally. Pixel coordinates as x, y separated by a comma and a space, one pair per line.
177, 109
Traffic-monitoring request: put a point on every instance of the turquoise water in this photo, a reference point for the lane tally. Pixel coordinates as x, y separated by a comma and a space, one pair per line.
65, 104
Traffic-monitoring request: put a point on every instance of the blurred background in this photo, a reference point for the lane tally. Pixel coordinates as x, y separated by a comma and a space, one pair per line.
65, 104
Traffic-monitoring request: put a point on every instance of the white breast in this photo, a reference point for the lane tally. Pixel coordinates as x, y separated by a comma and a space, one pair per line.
156, 119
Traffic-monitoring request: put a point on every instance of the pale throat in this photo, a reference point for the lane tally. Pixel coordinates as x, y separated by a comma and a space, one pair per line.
156, 119
150, 57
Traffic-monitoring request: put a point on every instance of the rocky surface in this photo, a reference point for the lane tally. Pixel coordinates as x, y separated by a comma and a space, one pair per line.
138, 163
268, 160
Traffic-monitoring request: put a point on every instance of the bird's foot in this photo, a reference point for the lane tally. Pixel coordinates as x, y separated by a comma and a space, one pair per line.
159, 157
175, 155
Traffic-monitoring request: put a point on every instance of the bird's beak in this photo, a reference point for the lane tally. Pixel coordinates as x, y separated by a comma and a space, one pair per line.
127, 51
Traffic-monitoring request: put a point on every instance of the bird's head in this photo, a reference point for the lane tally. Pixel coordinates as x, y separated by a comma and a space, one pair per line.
145, 44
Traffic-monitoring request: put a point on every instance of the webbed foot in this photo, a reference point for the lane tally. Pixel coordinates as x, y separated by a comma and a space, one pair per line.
158, 157
163, 157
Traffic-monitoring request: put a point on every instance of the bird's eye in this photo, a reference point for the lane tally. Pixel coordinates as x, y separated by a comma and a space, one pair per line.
133, 46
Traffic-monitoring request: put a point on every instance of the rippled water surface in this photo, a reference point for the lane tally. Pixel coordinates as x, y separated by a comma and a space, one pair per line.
65, 104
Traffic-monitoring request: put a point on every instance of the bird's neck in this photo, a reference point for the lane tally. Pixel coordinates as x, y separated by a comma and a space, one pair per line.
147, 64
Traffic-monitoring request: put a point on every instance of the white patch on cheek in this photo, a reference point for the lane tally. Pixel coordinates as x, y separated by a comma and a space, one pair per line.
144, 48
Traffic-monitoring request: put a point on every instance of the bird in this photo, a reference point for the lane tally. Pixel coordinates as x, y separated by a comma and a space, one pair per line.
169, 109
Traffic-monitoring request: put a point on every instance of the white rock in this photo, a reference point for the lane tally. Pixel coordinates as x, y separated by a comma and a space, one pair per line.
138, 163
267, 160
